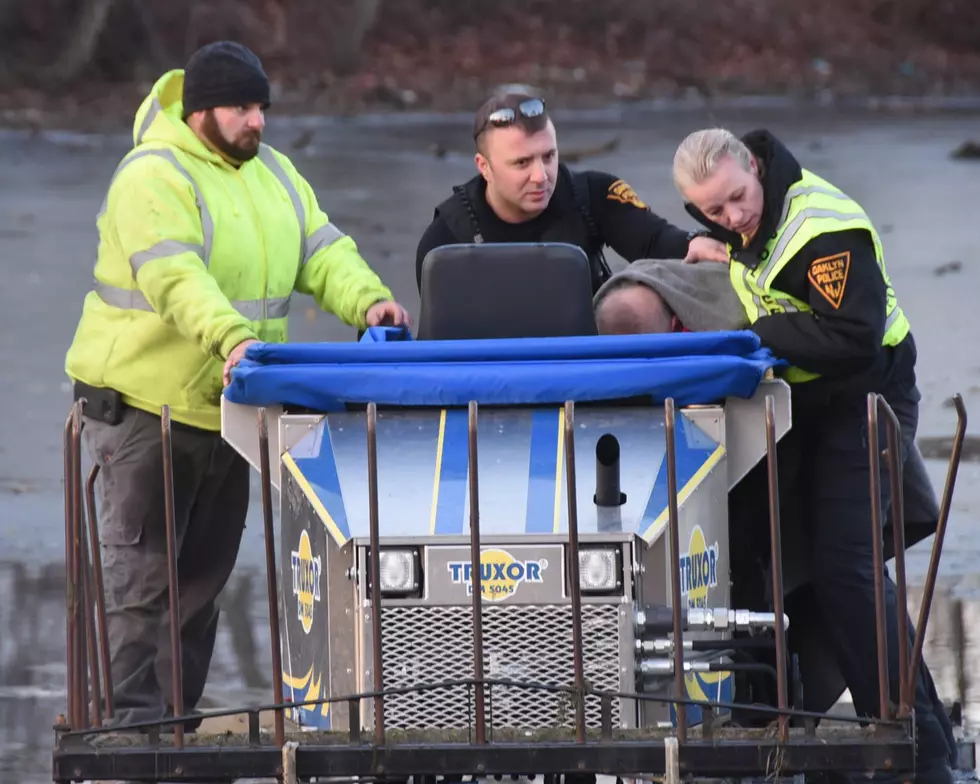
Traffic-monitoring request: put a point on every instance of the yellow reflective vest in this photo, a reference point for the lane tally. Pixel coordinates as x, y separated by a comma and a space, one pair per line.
812, 206
195, 256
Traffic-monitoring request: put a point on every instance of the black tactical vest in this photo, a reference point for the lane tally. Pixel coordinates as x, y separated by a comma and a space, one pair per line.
575, 227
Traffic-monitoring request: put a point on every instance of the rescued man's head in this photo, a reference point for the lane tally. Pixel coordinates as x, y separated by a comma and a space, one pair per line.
632, 308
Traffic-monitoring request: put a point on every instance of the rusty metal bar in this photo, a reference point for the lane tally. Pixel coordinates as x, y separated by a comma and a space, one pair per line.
673, 526
69, 573
877, 546
104, 653
605, 716
476, 578
90, 637
375, 567
78, 572
893, 455
959, 645
937, 545
354, 719
574, 580
775, 534
270, 572
171, 531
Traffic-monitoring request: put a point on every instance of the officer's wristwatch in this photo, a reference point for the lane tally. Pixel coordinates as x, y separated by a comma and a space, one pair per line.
698, 233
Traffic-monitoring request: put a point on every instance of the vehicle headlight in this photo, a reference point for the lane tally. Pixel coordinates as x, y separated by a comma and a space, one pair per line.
399, 570
599, 569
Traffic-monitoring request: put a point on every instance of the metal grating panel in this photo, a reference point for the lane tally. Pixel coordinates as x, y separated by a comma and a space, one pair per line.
521, 643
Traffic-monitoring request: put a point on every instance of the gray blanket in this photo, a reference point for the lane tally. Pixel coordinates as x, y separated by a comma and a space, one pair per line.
699, 294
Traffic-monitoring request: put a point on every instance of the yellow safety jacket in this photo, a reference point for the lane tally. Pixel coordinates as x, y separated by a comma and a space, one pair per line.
195, 256
812, 207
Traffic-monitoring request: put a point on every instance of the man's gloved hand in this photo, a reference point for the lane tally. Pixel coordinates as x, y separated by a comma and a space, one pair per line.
234, 358
706, 249
387, 313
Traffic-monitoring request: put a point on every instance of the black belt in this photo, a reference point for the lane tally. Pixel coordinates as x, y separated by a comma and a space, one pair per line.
106, 405
101, 404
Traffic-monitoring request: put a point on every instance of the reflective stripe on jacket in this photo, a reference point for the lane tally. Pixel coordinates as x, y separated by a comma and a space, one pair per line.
812, 207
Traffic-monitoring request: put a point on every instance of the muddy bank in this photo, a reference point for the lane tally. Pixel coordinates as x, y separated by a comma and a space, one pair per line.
941, 447
444, 55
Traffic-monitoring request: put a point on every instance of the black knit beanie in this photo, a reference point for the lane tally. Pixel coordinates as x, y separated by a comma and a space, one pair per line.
223, 73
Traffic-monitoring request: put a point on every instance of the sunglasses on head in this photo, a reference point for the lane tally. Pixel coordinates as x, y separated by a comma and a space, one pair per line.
501, 118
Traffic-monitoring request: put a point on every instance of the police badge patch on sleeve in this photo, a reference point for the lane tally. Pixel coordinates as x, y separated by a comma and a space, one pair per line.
622, 192
829, 276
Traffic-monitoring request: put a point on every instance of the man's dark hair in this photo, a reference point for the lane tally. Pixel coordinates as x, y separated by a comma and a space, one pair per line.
513, 101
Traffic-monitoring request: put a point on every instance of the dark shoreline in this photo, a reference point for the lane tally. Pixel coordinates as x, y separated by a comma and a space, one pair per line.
114, 113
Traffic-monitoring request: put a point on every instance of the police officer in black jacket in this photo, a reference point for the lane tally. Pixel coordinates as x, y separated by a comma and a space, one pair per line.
809, 268
523, 194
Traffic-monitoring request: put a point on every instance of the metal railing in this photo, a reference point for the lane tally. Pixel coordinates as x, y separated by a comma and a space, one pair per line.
88, 657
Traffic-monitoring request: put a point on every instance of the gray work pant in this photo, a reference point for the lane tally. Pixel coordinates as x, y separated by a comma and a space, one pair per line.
211, 484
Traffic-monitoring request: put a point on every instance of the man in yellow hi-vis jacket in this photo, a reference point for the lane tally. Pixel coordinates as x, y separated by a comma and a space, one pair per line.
204, 235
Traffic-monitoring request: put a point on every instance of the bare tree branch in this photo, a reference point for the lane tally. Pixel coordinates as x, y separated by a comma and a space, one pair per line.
352, 27
8, 9
159, 52
80, 50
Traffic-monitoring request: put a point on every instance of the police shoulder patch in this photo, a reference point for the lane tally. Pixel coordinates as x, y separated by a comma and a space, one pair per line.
829, 276
623, 192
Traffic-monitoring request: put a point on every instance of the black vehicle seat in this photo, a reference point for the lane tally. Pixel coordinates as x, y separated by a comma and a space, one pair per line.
505, 290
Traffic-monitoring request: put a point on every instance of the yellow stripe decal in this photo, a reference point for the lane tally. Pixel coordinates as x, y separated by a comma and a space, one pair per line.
559, 464
311, 496
682, 495
438, 475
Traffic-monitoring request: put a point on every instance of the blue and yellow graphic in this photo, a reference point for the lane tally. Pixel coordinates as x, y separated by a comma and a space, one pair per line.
697, 455
544, 477
306, 571
451, 471
706, 687
698, 569
308, 687
423, 470
314, 468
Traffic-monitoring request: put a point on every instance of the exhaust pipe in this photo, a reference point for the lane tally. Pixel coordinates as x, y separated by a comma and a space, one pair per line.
608, 494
